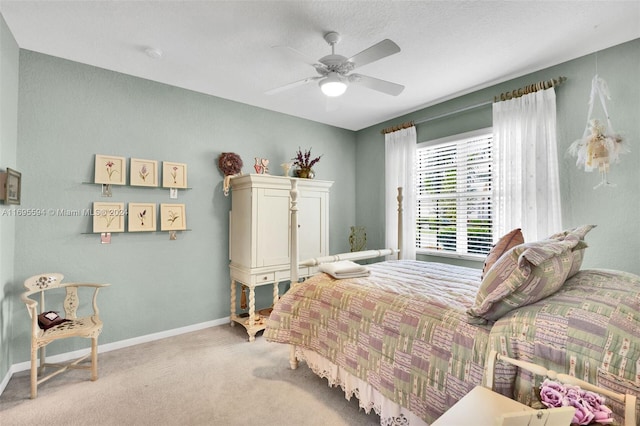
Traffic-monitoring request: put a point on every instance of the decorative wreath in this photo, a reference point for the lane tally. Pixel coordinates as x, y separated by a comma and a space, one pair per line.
230, 164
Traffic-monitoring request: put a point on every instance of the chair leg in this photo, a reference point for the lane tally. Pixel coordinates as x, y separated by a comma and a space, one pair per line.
43, 357
94, 359
34, 372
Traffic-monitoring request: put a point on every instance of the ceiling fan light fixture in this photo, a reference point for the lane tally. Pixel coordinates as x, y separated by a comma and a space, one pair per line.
332, 85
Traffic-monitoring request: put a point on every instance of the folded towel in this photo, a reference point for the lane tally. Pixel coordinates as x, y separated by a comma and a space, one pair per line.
344, 269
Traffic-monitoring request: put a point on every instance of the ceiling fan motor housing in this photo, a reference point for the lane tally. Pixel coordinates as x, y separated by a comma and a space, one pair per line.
335, 63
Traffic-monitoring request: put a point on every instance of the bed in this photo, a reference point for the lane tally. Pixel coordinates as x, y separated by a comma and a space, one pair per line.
411, 339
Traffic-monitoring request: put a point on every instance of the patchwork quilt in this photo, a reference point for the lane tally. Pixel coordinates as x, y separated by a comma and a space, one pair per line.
590, 329
404, 330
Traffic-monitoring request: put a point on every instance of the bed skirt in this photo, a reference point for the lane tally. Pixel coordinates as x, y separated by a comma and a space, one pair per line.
391, 414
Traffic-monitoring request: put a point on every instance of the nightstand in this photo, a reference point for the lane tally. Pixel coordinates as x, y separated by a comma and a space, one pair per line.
483, 407
480, 407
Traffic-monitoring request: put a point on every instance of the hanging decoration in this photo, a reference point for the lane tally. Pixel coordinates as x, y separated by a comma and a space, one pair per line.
600, 145
230, 164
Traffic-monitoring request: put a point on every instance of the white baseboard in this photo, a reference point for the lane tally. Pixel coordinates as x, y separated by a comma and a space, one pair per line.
68, 356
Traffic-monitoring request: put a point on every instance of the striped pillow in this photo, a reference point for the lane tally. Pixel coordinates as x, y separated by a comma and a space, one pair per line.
578, 250
525, 274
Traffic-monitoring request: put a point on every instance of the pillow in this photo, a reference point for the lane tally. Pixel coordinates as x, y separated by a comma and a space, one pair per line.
578, 250
503, 245
525, 274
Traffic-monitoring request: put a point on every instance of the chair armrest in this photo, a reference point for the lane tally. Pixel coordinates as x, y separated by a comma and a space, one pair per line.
96, 285
32, 308
32, 305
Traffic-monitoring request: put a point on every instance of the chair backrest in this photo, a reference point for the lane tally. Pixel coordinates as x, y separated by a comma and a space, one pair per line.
38, 284
43, 281
628, 400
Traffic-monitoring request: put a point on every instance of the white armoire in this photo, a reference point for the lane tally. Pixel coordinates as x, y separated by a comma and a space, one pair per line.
259, 235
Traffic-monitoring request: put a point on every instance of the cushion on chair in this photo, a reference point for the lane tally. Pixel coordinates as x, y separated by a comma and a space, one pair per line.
49, 319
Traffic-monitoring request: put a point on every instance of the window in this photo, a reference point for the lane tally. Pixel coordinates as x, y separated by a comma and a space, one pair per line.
453, 205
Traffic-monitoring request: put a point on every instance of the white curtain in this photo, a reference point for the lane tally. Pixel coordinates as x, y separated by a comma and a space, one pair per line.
400, 163
526, 184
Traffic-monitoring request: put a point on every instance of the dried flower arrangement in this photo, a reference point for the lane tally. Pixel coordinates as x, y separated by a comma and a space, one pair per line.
304, 163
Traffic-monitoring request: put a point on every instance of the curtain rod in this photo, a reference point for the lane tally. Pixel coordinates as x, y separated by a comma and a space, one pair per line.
541, 85
532, 88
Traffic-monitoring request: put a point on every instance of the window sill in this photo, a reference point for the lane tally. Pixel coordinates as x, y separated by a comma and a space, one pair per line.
438, 253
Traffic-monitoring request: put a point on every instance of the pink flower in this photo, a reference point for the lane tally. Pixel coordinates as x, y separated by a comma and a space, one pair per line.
603, 415
551, 397
593, 399
589, 406
582, 416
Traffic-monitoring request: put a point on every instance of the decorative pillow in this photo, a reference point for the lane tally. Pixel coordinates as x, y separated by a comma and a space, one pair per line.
49, 319
504, 244
525, 274
578, 250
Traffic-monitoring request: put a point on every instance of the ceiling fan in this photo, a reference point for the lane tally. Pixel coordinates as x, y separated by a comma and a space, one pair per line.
335, 70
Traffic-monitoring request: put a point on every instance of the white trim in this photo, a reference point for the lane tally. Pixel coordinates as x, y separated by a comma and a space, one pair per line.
458, 137
67, 356
443, 253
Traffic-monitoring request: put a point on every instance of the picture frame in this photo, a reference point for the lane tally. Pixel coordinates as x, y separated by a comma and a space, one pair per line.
108, 217
174, 175
143, 172
141, 217
12, 187
173, 217
110, 170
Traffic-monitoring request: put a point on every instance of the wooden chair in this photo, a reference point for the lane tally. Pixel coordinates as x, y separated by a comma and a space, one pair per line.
88, 326
628, 400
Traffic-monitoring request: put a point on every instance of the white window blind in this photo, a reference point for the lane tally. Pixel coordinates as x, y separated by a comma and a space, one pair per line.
453, 211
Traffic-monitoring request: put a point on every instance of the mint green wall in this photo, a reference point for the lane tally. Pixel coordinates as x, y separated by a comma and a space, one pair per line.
8, 141
68, 112
615, 243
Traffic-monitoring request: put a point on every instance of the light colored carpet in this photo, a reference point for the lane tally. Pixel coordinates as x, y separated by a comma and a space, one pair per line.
209, 377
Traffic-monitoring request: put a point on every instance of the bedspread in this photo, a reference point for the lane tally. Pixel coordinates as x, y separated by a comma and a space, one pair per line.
590, 329
402, 330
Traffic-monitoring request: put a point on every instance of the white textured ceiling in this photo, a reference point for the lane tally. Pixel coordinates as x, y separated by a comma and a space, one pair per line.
224, 48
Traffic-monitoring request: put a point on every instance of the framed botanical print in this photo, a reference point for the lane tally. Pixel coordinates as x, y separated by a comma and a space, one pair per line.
108, 217
173, 217
143, 172
110, 170
12, 187
141, 217
174, 175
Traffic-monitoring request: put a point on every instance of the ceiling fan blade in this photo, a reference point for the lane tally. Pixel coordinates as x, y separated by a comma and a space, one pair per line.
377, 51
292, 85
376, 84
290, 51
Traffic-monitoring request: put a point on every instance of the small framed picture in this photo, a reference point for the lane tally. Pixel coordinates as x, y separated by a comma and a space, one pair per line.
174, 175
173, 217
12, 187
142, 217
110, 170
108, 217
143, 172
